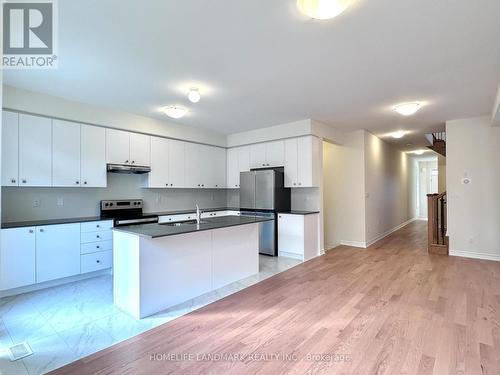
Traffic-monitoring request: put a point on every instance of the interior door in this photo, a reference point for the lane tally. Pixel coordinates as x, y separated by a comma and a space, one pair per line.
65, 153
264, 190
247, 190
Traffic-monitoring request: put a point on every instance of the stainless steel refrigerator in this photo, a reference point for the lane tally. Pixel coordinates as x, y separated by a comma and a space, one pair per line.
263, 193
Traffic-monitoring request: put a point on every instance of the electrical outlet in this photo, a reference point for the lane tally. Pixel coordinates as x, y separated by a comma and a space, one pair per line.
60, 201
36, 202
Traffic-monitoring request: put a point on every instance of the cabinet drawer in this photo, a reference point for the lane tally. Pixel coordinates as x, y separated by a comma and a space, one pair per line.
94, 226
96, 261
105, 235
93, 247
175, 218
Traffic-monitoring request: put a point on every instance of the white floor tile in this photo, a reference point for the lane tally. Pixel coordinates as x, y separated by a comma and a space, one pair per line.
49, 353
87, 339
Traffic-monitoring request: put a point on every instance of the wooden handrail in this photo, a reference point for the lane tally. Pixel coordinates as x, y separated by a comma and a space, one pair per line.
436, 237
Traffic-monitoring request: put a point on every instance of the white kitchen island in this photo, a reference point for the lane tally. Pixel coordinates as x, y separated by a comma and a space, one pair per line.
156, 266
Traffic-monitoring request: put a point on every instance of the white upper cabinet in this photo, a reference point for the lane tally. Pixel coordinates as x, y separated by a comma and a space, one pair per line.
218, 161
205, 166
238, 160
17, 257
275, 154
302, 158
258, 155
268, 154
127, 148
160, 152
140, 149
291, 162
10, 148
93, 156
65, 153
35, 151
176, 160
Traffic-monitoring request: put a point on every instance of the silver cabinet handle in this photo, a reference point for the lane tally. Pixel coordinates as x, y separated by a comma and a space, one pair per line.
13, 181
126, 161
171, 184
98, 226
41, 230
97, 247
85, 182
98, 261
97, 236
30, 231
300, 183
24, 181
133, 161
77, 182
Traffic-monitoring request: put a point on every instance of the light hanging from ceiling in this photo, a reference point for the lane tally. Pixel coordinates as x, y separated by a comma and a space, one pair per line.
407, 109
194, 95
174, 111
322, 9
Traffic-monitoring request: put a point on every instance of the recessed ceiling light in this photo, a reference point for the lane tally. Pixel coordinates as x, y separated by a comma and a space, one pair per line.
407, 109
398, 134
194, 95
322, 9
174, 111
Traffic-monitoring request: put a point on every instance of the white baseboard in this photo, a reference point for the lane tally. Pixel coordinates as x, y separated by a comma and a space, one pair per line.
52, 283
364, 245
474, 255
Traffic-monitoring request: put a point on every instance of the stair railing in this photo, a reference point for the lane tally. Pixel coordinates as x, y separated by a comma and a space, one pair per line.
437, 224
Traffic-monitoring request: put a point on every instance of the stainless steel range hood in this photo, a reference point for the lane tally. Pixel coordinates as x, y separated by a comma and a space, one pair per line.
128, 169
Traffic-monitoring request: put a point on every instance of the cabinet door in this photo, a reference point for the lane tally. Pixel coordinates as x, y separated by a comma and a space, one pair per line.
218, 161
194, 168
158, 177
291, 234
35, 151
258, 155
308, 160
65, 153
233, 171
17, 257
176, 163
117, 146
93, 156
10, 148
206, 166
243, 160
57, 251
275, 154
291, 162
140, 149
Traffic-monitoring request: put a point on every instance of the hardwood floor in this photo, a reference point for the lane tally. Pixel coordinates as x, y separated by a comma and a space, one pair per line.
389, 309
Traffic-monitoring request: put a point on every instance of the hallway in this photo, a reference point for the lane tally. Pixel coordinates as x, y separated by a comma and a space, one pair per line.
387, 309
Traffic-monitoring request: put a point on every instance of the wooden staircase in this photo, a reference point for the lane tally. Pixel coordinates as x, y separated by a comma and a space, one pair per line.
438, 241
438, 143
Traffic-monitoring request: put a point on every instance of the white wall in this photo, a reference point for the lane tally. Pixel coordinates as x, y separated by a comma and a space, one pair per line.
343, 191
17, 203
46, 105
473, 151
388, 187
442, 174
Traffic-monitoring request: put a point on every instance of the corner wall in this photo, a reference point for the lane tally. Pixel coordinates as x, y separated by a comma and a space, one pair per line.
473, 151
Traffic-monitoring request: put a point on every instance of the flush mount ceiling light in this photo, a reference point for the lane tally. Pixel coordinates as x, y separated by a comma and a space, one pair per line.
398, 134
194, 95
407, 109
322, 9
175, 111
419, 152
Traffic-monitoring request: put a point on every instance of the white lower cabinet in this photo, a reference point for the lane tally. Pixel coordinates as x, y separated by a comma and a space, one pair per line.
31, 255
17, 257
298, 236
97, 261
57, 251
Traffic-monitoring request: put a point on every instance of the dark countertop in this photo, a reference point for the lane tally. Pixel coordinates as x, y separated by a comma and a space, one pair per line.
37, 223
163, 230
294, 212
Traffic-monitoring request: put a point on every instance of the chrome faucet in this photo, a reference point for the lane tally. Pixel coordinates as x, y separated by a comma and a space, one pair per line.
198, 215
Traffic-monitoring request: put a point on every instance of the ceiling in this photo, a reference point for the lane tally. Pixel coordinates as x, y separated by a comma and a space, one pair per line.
260, 63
